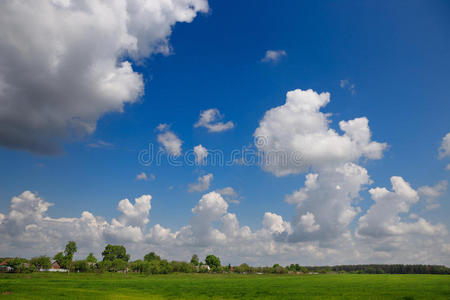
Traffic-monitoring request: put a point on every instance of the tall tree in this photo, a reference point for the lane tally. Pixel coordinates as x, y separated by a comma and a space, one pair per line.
91, 258
212, 261
113, 252
151, 256
71, 248
194, 260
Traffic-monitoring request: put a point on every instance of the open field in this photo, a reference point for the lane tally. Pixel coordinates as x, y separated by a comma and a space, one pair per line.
222, 286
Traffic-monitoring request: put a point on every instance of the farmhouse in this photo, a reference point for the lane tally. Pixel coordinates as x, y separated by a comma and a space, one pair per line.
55, 267
4, 266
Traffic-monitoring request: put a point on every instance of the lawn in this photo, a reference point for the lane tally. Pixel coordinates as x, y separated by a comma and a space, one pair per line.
222, 286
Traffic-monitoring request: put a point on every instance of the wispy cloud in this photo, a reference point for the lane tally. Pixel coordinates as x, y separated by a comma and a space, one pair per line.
210, 119
346, 84
202, 184
273, 56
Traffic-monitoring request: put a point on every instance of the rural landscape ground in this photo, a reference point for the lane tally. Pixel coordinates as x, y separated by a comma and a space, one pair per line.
223, 286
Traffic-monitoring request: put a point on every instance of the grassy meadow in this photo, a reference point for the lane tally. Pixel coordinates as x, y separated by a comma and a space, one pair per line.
222, 286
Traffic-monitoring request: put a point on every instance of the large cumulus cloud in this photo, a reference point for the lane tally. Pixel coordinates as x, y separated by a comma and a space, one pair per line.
297, 135
63, 64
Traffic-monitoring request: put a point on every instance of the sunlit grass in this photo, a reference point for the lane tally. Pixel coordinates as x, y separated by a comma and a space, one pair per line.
222, 286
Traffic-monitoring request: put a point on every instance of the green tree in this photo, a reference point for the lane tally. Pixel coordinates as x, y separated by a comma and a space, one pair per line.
151, 256
213, 262
119, 265
138, 266
17, 264
80, 266
113, 252
194, 260
41, 262
91, 258
70, 250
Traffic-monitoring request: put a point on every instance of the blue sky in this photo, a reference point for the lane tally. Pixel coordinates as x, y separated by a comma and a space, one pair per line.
396, 56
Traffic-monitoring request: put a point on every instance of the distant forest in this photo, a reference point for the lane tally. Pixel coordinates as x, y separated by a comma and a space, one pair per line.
116, 259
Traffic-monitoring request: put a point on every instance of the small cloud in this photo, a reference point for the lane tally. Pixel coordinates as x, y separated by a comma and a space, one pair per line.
447, 167
273, 56
100, 144
170, 187
229, 194
444, 149
200, 154
143, 176
169, 140
202, 184
346, 84
431, 193
210, 119
413, 216
40, 165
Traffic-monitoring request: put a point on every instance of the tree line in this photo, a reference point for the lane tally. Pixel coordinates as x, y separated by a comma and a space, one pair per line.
116, 259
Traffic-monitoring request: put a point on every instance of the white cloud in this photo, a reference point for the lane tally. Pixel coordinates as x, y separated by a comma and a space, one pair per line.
27, 231
62, 63
383, 219
200, 154
143, 176
210, 119
273, 56
229, 194
100, 144
346, 84
308, 222
431, 193
296, 136
325, 206
275, 224
444, 149
169, 140
202, 184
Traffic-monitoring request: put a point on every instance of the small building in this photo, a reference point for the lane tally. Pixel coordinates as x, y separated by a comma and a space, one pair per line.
55, 267
4, 266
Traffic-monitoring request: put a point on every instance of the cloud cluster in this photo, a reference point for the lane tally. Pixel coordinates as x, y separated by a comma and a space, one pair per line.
27, 230
210, 119
63, 64
328, 224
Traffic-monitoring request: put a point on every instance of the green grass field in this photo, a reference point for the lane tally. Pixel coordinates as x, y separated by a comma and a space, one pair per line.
221, 286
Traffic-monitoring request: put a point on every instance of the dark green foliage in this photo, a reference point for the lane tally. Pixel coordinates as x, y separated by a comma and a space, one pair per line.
118, 265
113, 252
151, 256
71, 248
80, 266
213, 262
41, 262
18, 265
91, 258
182, 267
195, 260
